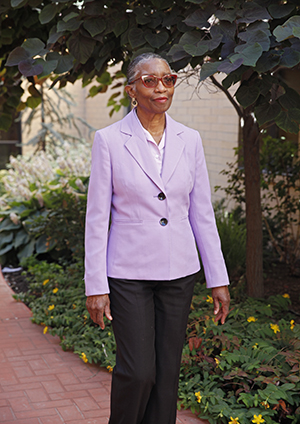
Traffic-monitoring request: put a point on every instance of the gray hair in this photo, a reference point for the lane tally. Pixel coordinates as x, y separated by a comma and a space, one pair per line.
133, 66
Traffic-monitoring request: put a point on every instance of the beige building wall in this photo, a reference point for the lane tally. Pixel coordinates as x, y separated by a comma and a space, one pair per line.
207, 111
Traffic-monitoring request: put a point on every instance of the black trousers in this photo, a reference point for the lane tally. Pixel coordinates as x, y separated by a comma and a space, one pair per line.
149, 323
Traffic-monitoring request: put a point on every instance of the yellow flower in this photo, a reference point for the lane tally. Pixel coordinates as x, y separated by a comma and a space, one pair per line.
251, 319
234, 420
110, 369
51, 307
198, 396
83, 357
209, 299
255, 346
286, 295
45, 282
55, 290
45, 330
292, 322
265, 404
258, 419
275, 328
74, 306
217, 361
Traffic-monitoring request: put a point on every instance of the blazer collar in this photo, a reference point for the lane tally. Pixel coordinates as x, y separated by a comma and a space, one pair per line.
136, 144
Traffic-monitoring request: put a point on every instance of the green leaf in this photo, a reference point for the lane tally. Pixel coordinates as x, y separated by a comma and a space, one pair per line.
105, 78
295, 114
81, 47
283, 121
267, 112
71, 25
33, 102
13, 101
65, 64
267, 61
70, 15
296, 32
16, 56
5, 121
193, 50
8, 225
280, 10
136, 37
290, 57
48, 66
121, 27
42, 245
252, 12
21, 238
29, 68
27, 250
247, 95
6, 238
17, 3
177, 52
249, 54
94, 26
199, 18
289, 100
33, 46
258, 36
208, 69
48, 13
157, 40
282, 32
6, 249
226, 15
227, 67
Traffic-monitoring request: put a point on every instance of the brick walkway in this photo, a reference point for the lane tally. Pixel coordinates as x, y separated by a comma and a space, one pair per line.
42, 384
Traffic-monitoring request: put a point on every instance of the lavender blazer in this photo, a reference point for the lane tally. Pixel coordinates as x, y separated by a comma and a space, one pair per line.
125, 181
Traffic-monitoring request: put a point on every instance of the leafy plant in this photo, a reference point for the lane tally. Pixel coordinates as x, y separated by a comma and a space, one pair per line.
280, 184
248, 367
43, 208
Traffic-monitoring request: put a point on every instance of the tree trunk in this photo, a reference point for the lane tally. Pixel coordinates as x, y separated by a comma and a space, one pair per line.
254, 249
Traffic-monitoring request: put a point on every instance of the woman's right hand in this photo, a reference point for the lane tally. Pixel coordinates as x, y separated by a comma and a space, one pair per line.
97, 306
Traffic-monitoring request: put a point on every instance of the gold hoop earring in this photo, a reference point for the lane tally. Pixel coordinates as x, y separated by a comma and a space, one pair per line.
134, 102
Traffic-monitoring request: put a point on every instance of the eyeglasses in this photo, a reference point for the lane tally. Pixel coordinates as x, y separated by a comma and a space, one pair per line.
151, 81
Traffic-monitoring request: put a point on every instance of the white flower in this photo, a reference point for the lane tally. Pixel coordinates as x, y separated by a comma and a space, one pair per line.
14, 218
80, 184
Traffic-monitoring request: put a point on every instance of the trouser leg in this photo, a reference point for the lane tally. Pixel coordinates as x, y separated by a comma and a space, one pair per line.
132, 308
149, 322
172, 304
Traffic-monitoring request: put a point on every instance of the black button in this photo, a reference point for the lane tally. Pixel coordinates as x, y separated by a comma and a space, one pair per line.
161, 196
163, 222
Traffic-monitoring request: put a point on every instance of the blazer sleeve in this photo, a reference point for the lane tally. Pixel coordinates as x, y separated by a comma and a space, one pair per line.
202, 219
97, 218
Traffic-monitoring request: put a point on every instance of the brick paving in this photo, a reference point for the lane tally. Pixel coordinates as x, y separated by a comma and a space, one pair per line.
42, 384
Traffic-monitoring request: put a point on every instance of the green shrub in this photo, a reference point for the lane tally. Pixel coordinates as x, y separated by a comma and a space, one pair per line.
43, 208
249, 366
280, 183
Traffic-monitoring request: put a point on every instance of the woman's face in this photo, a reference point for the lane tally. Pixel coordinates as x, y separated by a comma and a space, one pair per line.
155, 100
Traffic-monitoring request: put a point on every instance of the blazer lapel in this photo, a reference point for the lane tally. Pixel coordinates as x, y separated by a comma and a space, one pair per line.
139, 150
173, 149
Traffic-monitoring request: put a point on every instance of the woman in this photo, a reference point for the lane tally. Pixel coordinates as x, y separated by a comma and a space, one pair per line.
149, 172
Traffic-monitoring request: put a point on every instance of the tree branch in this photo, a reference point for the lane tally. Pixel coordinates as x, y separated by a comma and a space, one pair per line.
228, 95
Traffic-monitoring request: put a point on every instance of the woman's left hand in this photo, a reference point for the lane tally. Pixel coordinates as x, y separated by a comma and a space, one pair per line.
221, 295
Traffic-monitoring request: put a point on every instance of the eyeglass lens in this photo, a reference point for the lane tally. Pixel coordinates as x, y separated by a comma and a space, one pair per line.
152, 81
